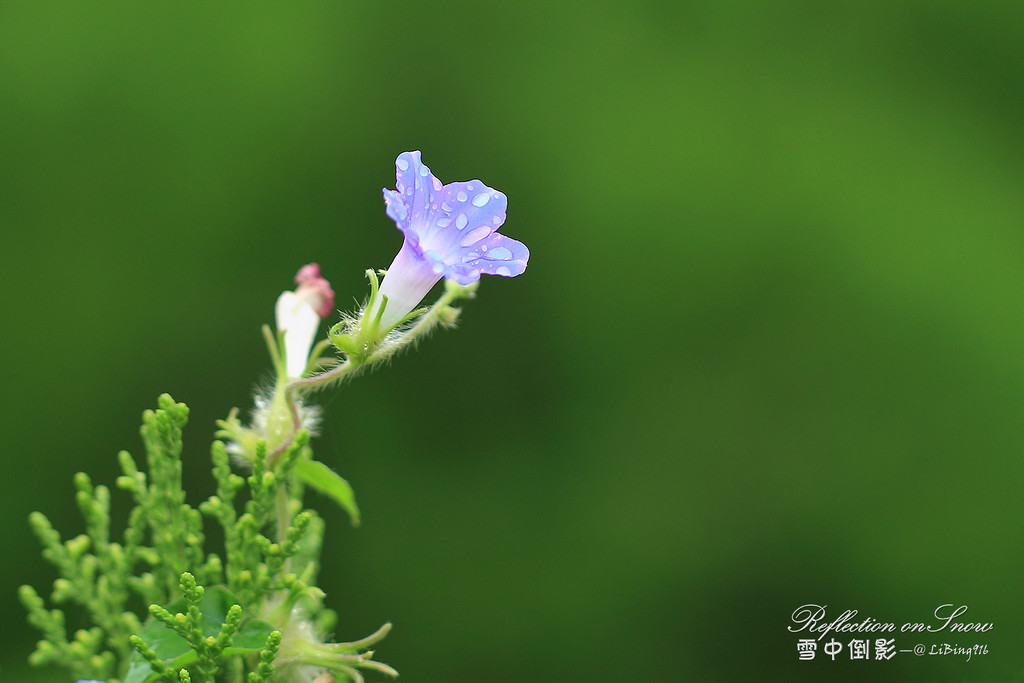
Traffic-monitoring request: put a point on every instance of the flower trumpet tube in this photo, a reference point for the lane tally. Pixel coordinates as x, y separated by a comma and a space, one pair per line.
298, 315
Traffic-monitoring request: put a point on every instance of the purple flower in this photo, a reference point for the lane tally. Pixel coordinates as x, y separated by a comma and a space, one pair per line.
451, 231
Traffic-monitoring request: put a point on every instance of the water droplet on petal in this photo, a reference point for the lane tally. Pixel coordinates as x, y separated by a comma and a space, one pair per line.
443, 222
496, 220
437, 185
475, 235
424, 171
402, 164
503, 270
438, 268
499, 254
481, 199
461, 221
462, 196
446, 207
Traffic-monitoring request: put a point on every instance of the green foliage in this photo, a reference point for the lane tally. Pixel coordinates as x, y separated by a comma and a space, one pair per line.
208, 618
210, 631
265, 668
326, 481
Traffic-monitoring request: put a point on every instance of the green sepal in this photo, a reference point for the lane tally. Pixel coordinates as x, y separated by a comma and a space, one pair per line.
176, 652
325, 480
315, 361
338, 336
274, 345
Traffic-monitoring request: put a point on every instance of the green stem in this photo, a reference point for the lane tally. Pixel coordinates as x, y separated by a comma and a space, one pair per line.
425, 323
273, 348
283, 520
335, 374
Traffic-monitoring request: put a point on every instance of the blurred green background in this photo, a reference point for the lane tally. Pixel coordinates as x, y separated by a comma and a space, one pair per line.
768, 350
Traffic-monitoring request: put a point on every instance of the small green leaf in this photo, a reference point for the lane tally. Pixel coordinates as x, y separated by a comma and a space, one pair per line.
326, 481
172, 649
250, 637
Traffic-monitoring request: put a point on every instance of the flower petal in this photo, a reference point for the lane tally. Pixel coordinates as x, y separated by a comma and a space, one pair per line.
469, 211
416, 196
493, 255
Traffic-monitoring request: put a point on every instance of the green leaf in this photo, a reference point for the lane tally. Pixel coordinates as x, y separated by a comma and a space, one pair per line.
326, 481
139, 670
250, 637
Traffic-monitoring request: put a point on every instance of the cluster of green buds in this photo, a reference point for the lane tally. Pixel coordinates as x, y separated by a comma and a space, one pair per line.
249, 614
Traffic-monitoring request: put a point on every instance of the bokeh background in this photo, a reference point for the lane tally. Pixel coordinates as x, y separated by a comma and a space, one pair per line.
768, 351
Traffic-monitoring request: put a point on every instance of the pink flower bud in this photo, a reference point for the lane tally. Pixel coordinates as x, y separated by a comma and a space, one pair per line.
315, 289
